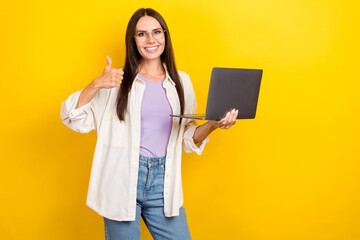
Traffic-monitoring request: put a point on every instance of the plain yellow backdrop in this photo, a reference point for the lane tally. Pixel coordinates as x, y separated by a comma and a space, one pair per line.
292, 173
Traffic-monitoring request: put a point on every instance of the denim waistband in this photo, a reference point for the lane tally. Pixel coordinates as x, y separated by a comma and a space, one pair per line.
151, 160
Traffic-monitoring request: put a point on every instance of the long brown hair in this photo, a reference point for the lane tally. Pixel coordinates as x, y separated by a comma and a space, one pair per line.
133, 58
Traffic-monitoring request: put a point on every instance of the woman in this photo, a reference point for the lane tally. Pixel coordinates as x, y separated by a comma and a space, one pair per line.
136, 170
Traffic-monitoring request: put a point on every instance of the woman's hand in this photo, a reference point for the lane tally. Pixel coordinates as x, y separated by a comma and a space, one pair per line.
202, 131
227, 121
109, 78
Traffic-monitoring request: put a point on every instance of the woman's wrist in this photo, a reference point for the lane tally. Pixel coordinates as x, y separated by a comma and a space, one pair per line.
213, 125
93, 85
202, 131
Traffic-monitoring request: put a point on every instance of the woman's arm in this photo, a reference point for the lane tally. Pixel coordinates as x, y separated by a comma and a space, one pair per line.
204, 130
79, 111
87, 94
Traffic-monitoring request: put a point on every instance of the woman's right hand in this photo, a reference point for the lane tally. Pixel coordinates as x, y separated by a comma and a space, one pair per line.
110, 77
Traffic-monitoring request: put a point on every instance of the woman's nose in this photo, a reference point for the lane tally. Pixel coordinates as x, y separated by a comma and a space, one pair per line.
150, 38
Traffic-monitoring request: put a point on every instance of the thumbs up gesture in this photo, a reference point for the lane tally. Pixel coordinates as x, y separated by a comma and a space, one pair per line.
110, 77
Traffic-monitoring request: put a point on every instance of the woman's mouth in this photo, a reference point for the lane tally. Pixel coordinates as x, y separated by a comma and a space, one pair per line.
151, 49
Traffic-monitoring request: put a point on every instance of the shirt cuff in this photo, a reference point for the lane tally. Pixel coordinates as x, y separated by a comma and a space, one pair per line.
190, 146
80, 112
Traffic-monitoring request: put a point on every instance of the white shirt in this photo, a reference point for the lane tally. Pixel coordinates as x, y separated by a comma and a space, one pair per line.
113, 180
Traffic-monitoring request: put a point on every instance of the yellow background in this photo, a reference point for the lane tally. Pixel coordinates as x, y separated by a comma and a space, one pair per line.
291, 173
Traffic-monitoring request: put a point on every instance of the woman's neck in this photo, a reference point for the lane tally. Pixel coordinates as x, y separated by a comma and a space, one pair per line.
151, 67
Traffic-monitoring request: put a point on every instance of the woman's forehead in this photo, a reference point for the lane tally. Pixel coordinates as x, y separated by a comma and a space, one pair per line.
147, 23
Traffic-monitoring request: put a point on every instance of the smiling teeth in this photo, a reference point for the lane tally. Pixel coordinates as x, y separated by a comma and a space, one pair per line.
153, 48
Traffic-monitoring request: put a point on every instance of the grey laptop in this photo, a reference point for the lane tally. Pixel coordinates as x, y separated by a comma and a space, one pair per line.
231, 88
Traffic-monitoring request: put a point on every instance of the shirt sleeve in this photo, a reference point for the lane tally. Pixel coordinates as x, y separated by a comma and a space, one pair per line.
191, 124
82, 119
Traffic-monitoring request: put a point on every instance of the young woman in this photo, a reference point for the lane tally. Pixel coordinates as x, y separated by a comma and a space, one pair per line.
136, 170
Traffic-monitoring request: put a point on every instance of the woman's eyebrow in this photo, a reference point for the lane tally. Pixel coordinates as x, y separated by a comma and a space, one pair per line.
145, 30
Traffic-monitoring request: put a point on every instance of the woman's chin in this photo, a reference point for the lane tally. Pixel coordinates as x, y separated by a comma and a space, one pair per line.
150, 57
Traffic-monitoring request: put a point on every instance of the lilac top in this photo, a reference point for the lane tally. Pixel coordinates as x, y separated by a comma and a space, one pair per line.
156, 124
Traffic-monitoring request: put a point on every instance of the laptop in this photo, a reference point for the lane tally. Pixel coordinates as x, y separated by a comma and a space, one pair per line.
231, 88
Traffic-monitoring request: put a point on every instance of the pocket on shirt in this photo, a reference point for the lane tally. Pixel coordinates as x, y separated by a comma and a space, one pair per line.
115, 133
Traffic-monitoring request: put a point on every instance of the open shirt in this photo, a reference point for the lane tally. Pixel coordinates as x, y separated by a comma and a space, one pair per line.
113, 180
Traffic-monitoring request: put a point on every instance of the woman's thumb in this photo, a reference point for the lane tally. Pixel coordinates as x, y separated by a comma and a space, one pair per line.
108, 65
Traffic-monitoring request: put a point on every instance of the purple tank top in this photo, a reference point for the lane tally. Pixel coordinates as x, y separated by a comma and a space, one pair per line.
156, 124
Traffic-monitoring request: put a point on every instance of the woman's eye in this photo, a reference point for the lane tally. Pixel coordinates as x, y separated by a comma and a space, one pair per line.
157, 32
141, 34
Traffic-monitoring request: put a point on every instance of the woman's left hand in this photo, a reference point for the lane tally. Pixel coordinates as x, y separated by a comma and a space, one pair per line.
227, 121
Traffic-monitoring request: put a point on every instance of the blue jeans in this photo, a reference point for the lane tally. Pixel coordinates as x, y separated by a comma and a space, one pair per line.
150, 206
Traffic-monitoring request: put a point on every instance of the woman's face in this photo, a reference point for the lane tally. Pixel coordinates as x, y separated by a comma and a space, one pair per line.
151, 48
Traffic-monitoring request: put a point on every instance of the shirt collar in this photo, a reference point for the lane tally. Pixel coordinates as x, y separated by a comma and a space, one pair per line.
168, 76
